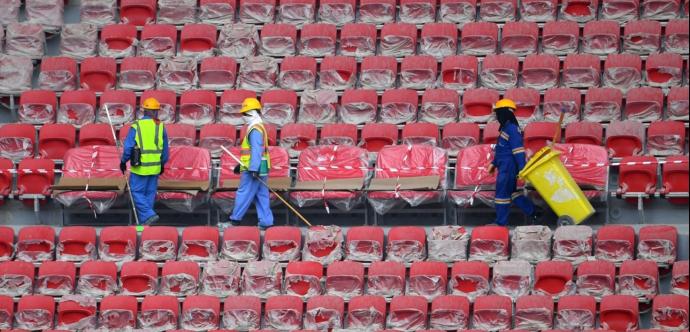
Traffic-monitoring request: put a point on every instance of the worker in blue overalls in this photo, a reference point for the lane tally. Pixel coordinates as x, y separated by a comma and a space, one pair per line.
150, 140
509, 160
256, 162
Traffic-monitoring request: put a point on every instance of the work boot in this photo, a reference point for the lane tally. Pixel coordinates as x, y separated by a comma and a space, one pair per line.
264, 227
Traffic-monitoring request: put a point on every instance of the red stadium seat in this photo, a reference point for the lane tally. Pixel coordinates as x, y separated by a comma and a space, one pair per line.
139, 278
562, 37
408, 313
527, 101
137, 73
449, 312
359, 107
158, 41
658, 244
625, 138
17, 141
262, 278
418, 72
242, 312
199, 243
677, 104
459, 72
534, 312
623, 71
338, 72
398, 39
638, 278
241, 243
666, 138
117, 243
664, 70
212, 136
19, 276
97, 278
179, 74
619, 312
6, 241
642, 37
420, 133
489, 243
417, 11
538, 135
35, 244
676, 36
377, 11
179, 278
37, 107
457, 11
6, 312
615, 243
179, 12
324, 313
596, 278
338, 134
118, 41
670, 312
297, 73
76, 312
364, 243
217, 73
378, 72
278, 40
428, 279
77, 243
554, 279
603, 104
181, 134
680, 277
511, 278
520, 38
296, 12
477, 105
159, 312
317, 39
644, 104
318, 107
35, 312
584, 133
96, 134
121, 104
257, 11
577, 311
620, 10
337, 12
168, 101
198, 40
283, 312
581, 71
439, 106
58, 74
187, 164
358, 39
572, 243
98, 74
539, 10
439, 39
279, 107
56, 278
303, 279
601, 37
139, 13
345, 279
366, 312
118, 312
282, 244
559, 100
197, 107
498, 10
638, 177
473, 179
675, 179
296, 137
492, 312
479, 38
399, 106
500, 72
230, 105
540, 71
386, 279
457, 136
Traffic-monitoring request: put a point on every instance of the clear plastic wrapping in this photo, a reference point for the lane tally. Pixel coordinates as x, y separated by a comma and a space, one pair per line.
198, 319
117, 320
238, 40
385, 285
257, 13
82, 304
671, 76
47, 13
284, 319
336, 13
136, 80
180, 284
77, 114
622, 11
322, 319
57, 80
295, 13
104, 49
377, 79
531, 243
398, 112
317, 46
575, 319
533, 319
499, 79
357, 46
597, 285
209, 248
622, 78
176, 11
157, 320
196, 114
675, 43
600, 44
448, 243
221, 278
417, 79
277, 46
157, 47
96, 285
150, 282
365, 251
601, 111
177, 74
10, 12
427, 286
54, 284
258, 73
665, 145
262, 279
538, 11
318, 107
539, 78
417, 12
323, 244
497, 11
90, 253
677, 317
34, 250
677, 283
302, 285
15, 74
358, 113
365, 319
481, 285
448, 319
512, 278
560, 44
614, 250
408, 319
638, 285
240, 250
15, 285
16, 148
438, 46
98, 12
586, 163
488, 250
33, 319
279, 114
377, 13
659, 250
217, 13
242, 319
439, 113
405, 251
492, 319
457, 12
572, 243
641, 43
397, 46
79, 41
126, 254
297, 79
581, 77
345, 286
337, 79
120, 113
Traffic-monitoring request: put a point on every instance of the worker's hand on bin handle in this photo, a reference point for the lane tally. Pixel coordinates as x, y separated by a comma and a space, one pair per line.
236, 171
123, 167
492, 169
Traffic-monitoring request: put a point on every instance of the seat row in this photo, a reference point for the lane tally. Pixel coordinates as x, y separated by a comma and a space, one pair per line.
326, 244
406, 313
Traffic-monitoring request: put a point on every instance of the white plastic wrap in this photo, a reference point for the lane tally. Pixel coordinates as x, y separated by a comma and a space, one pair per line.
622, 11
492, 320
176, 11
622, 78
180, 284
365, 251
10, 12
427, 286
365, 319
448, 244
317, 47
675, 43
661, 251
677, 283
417, 12
448, 319
277, 46
531, 243
665, 145
552, 111
345, 286
538, 11
90, 253
209, 246
198, 319
216, 13
418, 79
323, 238
47, 13
177, 74
601, 111
377, 13
76, 114
533, 319
240, 250
258, 73
86, 303
296, 14
439, 113
337, 80
512, 278
358, 113
385, 285
410, 319
560, 44
499, 11
487, 250
157, 320
16, 148
57, 80
322, 319
33, 319
600, 44
96, 285
314, 285
238, 40
457, 12
136, 80
499, 79
396, 46
377, 79
15, 285
15, 74
318, 107
5, 319
79, 41
279, 114
54, 284
105, 50
597, 285
257, 13
572, 243
614, 250
283, 319
262, 279
120, 113
221, 278
296, 80
25, 251
128, 253
641, 43
196, 114
242, 319
678, 110
157, 47
575, 319
405, 251
675, 79
98, 12
581, 77
675, 315
117, 320
638, 285
336, 13
539, 79
358, 46
398, 113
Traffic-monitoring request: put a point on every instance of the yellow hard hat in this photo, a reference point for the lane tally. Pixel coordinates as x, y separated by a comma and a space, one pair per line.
151, 104
250, 104
505, 103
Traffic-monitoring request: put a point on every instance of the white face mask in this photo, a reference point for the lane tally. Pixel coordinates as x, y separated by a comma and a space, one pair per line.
252, 118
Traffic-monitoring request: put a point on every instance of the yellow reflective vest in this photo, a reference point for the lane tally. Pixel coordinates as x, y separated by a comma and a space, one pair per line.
149, 139
246, 151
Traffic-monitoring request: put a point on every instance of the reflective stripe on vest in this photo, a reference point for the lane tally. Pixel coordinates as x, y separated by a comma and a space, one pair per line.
246, 151
149, 139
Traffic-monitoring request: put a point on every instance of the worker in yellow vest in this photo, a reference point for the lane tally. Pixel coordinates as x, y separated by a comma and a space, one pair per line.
146, 148
256, 163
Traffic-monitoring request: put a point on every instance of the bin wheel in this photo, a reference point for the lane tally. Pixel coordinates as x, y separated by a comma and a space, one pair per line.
565, 221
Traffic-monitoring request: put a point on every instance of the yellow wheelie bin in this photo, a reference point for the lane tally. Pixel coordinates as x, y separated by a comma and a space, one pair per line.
546, 173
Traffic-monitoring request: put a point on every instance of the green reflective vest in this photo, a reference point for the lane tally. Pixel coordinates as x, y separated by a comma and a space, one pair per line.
246, 151
149, 139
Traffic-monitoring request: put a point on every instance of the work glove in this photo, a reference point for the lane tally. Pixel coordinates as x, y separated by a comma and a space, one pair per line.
236, 170
123, 167
254, 174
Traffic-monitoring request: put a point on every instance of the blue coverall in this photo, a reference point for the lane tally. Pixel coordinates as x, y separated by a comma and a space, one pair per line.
509, 160
143, 188
251, 189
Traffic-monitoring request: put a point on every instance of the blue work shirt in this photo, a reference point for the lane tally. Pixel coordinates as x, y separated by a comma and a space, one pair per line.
510, 146
256, 144
130, 143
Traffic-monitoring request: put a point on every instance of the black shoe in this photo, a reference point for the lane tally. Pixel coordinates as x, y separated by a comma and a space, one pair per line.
263, 228
234, 222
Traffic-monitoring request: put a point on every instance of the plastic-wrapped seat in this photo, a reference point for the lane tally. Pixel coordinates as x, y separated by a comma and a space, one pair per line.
338, 134
338, 72
642, 37
35, 244
358, 39
241, 243
538, 135
76, 312
137, 73
297, 137
408, 313
623, 71
364, 243
560, 37
477, 105
177, 74
596, 278
118, 41
479, 38
76, 243
492, 312
520, 38
658, 243
279, 107
158, 40
317, 40
625, 138
139, 278
472, 180
318, 107
576, 311
366, 312
283, 312
118, 312
58, 74
214, 135
581, 71
449, 313
398, 106
179, 278
676, 36
98, 74
670, 312
217, 12
457, 11
198, 40
324, 313
498, 10
359, 107
117, 243
242, 312
675, 179
180, 134
386, 279
420, 133
439, 39
557, 100
282, 244
159, 313
664, 70
97, 278
37, 107
459, 72
527, 101
418, 72
6, 312
6, 233
16, 75
257, 11
338, 12
11, 13
121, 104
296, 12
620, 10
534, 312
378, 72
278, 40
458, 136
417, 11
540, 71
35, 312
262, 279
644, 104
138, 13
345, 279
297, 73
572, 243
679, 278
601, 37
639, 278
615, 243
25, 40
303, 279
238, 40
17, 141
197, 107
230, 105
47, 13
428, 279
531, 243
200, 313
677, 104
258, 73
603, 104
511, 278
217, 73
554, 279
95, 134
489, 243
619, 313
176, 12
377, 11
398, 39
17, 278
56, 278
539, 10
660, 9
199, 243
79, 40
666, 138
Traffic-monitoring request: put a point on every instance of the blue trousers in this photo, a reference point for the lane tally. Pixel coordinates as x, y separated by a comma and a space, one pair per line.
507, 194
251, 190
144, 188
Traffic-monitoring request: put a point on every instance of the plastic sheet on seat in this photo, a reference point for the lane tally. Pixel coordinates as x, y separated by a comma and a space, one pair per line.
358, 113
47, 13
77, 114
84, 304
538, 11
560, 44
323, 244
448, 243
439, 113
10, 12
57, 80
385, 285
597, 285
262, 279
398, 112
15, 74
186, 254
96, 285
397, 46
318, 107
136, 80
105, 50
157, 320
16, 148
657, 250
242, 319
405, 251
177, 74
311, 285
665, 145
258, 73
512, 278
622, 78
492, 320
499, 79
98, 12
365, 319
377, 79
322, 319
488, 250
337, 80
533, 319
297, 79
365, 251
176, 11
117, 320
336, 13
676, 315
240, 250
417, 12
217, 13
448, 319
457, 12
283, 319
622, 11
531, 243
257, 13
641, 43
427, 286
54, 284
157, 47
221, 279
614, 250
120, 113
238, 40
574, 319
279, 114
581, 77
418, 79
15, 285
198, 319
180, 284
676, 43
79, 41
90, 253
407, 320
572, 243
33, 319
296, 14
601, 111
